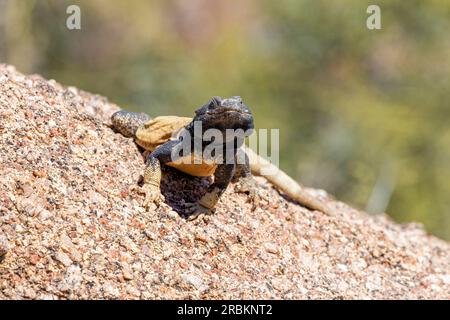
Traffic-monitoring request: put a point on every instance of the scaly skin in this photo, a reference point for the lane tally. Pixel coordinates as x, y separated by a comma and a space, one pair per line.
155, 135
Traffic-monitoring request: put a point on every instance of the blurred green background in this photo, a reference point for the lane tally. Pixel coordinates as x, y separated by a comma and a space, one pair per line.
362, 113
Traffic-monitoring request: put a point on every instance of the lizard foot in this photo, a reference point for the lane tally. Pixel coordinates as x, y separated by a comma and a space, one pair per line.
152, 195
195, 210
248, 186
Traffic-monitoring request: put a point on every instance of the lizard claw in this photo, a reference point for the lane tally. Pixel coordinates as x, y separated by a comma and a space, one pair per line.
195, 210
152, 195
248, 186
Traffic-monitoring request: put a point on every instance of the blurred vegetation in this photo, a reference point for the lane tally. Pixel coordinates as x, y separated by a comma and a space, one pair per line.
362, 113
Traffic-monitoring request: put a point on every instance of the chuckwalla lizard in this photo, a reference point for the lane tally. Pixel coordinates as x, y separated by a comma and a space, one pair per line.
159, 136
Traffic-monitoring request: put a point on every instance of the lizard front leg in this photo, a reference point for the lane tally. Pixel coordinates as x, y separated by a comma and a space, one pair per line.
152, 173
152, 181
222, 177
245, 181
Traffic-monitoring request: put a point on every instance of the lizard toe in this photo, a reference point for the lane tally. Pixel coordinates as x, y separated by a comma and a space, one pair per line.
152, 196
248, 186
195, 210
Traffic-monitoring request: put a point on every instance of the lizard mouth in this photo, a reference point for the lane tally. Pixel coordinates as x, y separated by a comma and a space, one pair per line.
230, 118
239, 116
230, 111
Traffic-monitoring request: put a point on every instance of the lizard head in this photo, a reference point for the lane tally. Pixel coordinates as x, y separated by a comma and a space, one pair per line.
222, 114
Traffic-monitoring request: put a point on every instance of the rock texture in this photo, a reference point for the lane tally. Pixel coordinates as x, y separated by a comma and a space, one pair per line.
72, 224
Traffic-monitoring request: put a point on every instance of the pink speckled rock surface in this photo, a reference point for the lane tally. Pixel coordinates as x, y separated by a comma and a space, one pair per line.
72, 225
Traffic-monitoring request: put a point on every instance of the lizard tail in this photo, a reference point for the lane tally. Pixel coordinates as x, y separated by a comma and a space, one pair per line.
127, 123
262, 167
